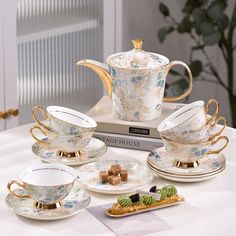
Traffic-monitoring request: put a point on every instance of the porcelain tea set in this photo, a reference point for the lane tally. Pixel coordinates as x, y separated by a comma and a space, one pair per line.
68, 136
135, 80
189, 135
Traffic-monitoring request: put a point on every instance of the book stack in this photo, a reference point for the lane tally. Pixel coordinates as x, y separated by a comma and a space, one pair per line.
126, 134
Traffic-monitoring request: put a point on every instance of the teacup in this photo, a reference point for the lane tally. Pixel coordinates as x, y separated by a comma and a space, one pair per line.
206, 133
189, 118
68, 145
188, 155
46, 184
64, 120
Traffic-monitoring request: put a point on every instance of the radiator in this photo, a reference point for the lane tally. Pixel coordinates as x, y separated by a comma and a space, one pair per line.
52, 35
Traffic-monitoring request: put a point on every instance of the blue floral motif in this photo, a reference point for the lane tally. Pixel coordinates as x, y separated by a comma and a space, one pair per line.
194, 149
199, 152
113, 72
72, 131
68, 205
57, 197
136, 79
160, 83
47, 200
48, 154
204, 151
135, 66
215, 164
117, 83
155, 155
151, 154
61, 189
136, 113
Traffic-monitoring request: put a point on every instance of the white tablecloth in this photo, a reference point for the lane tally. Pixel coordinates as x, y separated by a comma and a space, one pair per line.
210, 208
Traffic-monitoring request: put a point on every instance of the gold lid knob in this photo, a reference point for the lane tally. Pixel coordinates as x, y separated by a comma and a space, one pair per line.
137, 43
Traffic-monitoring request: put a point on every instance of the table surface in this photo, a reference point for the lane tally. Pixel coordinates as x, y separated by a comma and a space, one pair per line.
209, 210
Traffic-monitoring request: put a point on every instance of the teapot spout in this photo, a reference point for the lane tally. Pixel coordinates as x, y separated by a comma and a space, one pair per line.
101, 70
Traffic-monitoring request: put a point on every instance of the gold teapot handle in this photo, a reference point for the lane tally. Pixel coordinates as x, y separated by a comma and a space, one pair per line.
220, 149
221, 118
101, 70
217, 105
186, 92
43, 113
42, 131
10, 183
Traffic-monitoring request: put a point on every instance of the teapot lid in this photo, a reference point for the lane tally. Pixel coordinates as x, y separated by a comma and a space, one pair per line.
137, 58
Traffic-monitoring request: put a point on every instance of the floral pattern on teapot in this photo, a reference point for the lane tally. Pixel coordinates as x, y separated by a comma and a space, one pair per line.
147, 88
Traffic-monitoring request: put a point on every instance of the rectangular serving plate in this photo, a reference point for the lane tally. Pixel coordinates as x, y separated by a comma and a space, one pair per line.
179, 200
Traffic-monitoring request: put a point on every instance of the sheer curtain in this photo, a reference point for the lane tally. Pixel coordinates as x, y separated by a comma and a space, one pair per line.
52, 35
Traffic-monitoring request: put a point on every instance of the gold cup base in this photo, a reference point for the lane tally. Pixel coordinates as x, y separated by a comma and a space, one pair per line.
68, 154
185, 165
42, 206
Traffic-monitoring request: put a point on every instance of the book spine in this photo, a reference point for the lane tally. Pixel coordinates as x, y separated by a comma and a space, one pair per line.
128, 130
130, 142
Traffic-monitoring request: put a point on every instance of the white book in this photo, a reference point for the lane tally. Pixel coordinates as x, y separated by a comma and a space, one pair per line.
106, 122
130, 142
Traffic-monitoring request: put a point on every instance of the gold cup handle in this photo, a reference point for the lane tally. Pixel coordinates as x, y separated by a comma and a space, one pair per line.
43, 113
220, 149
10, 183
42, 131
221, 118
217, 105
186, 92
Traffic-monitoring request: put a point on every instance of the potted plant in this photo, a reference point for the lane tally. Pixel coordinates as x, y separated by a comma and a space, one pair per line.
208, 25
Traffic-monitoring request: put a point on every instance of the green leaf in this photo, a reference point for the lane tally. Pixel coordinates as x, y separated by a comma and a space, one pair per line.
216, 12
170, 29
196, 68
224, 3
190, 5
163, 32
198, 47
234, 19
179, 86
199, 15
212, 39
197, 28
224, 23
164, 9
185, 25
207, 28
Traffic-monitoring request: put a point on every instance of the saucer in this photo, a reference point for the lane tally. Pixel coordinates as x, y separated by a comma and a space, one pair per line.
138, 176
186, 179
90, 153
160, 160
77, 200
185, 176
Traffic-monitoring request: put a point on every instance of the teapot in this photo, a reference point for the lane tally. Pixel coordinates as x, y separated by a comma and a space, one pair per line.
135, 80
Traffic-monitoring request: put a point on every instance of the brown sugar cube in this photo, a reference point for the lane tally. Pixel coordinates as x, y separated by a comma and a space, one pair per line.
115, 166
114, 180
103, 176
124, 175
116, 169
110, 172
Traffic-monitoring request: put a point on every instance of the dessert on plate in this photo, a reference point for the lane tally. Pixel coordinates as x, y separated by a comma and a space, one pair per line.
145, 201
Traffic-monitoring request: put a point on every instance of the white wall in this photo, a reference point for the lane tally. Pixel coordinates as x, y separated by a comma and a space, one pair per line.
142, 19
